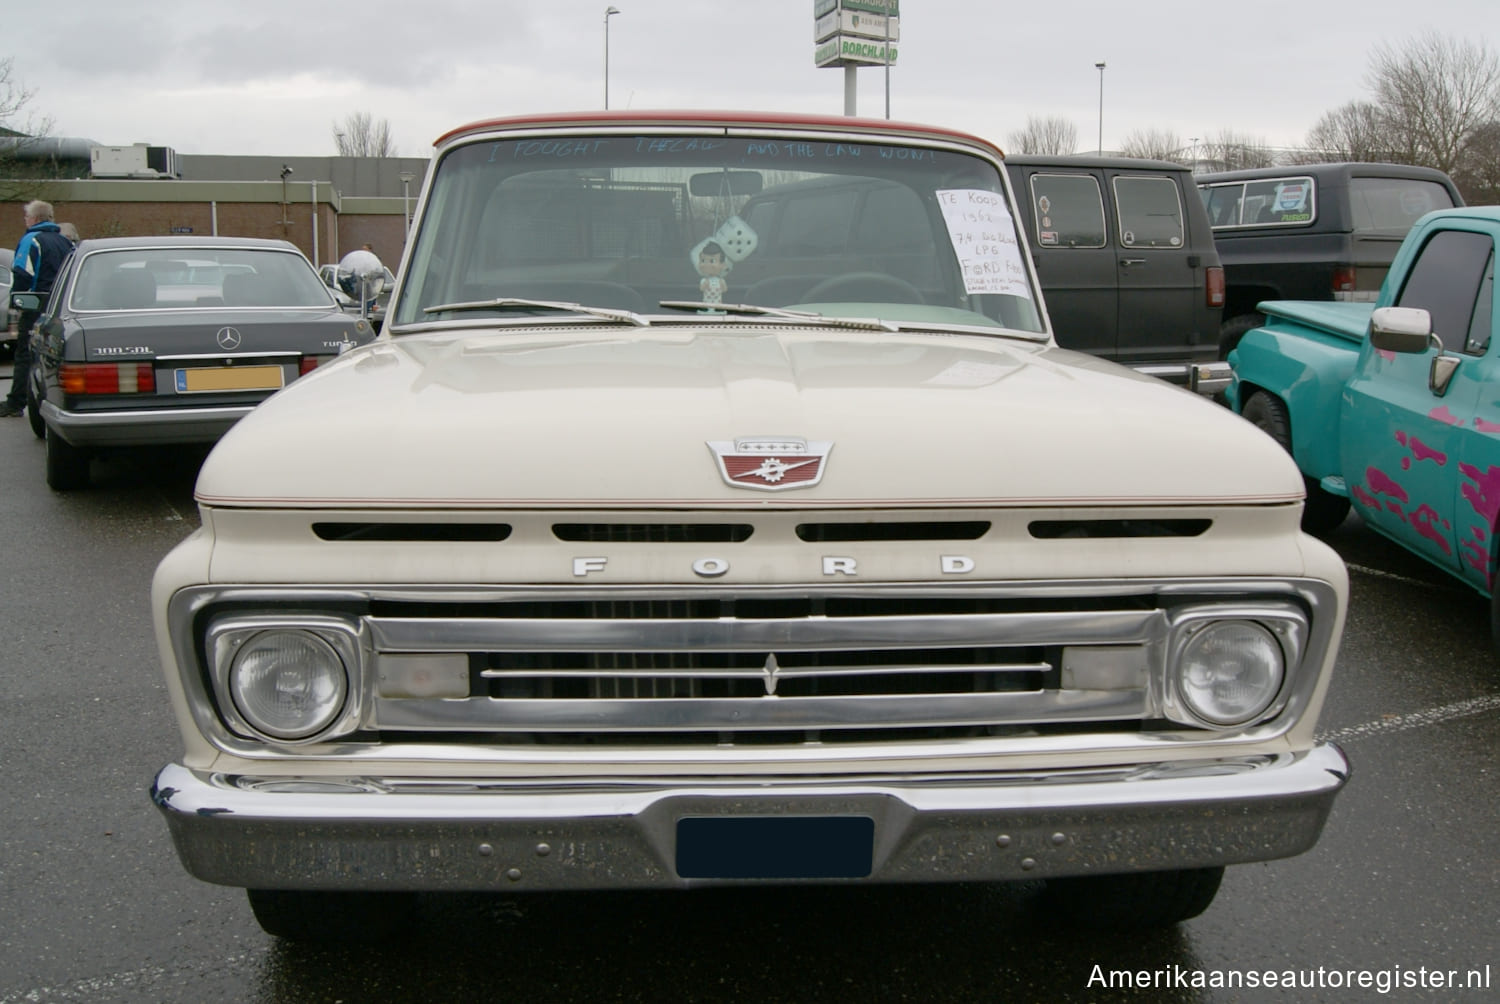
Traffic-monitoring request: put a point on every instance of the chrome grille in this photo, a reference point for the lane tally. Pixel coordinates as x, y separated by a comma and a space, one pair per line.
792, 666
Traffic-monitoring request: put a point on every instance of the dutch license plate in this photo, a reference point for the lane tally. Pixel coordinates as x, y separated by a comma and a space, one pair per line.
775, 847
211, 378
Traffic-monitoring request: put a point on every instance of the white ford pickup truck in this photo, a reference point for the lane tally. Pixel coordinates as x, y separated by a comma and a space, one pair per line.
666, 540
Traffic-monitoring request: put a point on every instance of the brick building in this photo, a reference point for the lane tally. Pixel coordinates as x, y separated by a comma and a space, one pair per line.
327, 206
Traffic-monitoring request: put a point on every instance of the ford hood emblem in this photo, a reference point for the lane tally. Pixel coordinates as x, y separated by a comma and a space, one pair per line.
771, 463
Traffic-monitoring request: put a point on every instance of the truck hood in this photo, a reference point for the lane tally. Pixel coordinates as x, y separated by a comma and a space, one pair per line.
586, 417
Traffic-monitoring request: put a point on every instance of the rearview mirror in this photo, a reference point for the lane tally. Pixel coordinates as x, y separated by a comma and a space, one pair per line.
1401, 329
29, 301
712, 183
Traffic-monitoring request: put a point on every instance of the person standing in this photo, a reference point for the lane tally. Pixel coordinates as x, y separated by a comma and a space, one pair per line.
39, 255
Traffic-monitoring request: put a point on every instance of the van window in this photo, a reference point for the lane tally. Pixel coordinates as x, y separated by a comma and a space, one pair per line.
1150, 212
1069, 210
1222, 202
1276, 202
1392, 205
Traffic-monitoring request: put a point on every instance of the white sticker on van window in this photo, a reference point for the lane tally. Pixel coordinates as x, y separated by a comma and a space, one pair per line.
1291, 196
984, 240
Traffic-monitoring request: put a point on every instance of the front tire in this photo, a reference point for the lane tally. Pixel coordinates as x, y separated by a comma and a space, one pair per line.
1134, 901
1323, 512
67, 465
321, 917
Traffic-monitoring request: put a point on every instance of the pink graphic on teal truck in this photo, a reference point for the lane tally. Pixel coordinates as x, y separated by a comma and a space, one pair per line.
1345, 379
1482, 491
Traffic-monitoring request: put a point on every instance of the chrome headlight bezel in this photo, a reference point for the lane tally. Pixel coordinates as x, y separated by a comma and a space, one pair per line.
1285, 624
226, 638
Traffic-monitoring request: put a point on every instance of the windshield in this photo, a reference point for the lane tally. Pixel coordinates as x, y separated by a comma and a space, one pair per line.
156, 278
902, 232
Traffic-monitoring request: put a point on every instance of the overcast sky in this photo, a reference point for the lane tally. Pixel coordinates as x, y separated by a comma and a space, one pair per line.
272, 77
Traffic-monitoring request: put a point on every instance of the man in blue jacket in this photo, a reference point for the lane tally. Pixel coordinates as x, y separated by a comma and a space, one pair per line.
39, 255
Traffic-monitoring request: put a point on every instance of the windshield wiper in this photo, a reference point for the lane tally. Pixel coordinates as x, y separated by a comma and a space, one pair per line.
515, 303
801, 316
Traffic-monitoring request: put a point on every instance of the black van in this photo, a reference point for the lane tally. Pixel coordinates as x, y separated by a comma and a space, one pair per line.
1313, 231
1127, 262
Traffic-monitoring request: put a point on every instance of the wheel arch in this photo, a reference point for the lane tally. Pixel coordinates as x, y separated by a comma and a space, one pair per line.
1308, 377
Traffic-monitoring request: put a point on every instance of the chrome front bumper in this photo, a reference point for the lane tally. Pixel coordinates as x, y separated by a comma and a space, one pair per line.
1201, 378
456, 834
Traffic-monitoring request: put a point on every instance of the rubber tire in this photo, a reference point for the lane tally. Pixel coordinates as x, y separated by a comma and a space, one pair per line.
1232, 330
1323, 512
34, 410
1135, 901
67, 465
1495, 611
332, 917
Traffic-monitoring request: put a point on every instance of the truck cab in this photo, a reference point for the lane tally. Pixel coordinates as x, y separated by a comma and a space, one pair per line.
1390, 407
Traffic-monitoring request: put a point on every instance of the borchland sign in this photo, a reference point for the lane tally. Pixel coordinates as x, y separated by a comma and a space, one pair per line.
847, 47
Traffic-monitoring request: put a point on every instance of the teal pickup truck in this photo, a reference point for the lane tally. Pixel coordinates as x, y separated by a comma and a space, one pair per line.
1394, 406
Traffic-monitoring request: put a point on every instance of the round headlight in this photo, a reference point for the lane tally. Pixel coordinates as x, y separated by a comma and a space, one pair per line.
288, 684
1230, 672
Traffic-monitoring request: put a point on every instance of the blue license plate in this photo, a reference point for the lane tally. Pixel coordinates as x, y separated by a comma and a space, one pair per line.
775, 847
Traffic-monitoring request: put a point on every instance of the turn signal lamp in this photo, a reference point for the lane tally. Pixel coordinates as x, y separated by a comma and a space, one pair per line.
107, 378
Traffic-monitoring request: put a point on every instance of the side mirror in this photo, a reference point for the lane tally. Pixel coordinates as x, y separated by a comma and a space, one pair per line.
1401, 329
29, 301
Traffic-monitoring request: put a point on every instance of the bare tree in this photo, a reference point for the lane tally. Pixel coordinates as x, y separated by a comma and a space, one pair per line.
359, 135
1478, 175
1155, 144
1046, 135
1231, 151
1358, 130
1434, 93
20, 131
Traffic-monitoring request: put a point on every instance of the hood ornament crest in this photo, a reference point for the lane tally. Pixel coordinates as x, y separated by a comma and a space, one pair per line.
770, 463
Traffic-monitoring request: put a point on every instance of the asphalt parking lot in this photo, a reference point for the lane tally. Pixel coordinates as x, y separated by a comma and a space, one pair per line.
1404, 885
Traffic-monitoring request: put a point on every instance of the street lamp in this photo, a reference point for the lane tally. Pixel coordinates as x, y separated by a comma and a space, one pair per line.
406, 177
607, 12
1100, 68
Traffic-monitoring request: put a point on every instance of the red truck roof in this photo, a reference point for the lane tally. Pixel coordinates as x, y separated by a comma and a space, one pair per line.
713, 119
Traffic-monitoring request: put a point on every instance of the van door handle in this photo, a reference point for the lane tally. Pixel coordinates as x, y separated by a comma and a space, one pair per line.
1127, 262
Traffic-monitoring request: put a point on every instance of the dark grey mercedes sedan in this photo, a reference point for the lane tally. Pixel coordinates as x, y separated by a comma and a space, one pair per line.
156, 340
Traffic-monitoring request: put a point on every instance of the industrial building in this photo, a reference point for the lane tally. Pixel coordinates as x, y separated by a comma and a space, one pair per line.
327, 206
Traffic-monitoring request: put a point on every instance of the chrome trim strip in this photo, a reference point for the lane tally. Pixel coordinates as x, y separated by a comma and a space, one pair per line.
759, 673
392, 634
243, 358
689, 714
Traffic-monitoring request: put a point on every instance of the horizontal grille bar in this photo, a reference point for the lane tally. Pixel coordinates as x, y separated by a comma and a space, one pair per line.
755, 673
764, 713
395, 634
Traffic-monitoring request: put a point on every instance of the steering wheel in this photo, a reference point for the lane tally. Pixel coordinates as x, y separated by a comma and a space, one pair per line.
864, 287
